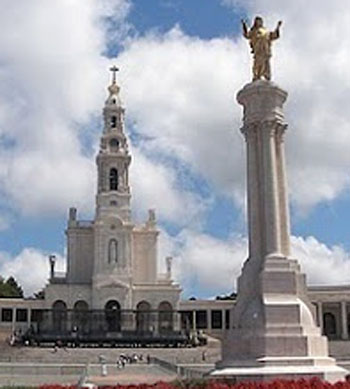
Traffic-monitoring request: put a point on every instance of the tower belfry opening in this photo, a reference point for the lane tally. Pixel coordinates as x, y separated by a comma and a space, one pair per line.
113, 179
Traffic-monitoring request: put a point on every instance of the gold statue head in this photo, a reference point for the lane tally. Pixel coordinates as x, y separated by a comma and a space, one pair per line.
258, 22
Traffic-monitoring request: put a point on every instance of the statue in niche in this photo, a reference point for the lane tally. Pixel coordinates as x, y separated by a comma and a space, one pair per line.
168, 262
113, 251
151, 216
260, 40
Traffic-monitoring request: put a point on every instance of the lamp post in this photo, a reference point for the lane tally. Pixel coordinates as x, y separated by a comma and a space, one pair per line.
52, 260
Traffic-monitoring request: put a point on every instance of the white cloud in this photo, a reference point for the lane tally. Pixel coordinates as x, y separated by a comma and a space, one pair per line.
30, 268
322, 264
180, 93
155, 186
52, 77
207, 264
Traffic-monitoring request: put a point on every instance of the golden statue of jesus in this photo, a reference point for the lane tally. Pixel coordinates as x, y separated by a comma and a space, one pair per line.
260, 40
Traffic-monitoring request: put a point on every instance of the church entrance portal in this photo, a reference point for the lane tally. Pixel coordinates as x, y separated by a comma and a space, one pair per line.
80, 317
113, 316
59, 316
166, 317
143, 317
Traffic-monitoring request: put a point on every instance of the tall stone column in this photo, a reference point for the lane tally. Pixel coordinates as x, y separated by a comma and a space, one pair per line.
283, 190
209, 328
320, 315
274, 333
344, 321
194, 321
267, 188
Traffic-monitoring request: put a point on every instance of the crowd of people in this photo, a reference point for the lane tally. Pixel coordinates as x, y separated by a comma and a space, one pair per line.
122, 361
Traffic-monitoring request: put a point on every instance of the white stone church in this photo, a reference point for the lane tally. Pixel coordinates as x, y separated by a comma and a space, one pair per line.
111, 262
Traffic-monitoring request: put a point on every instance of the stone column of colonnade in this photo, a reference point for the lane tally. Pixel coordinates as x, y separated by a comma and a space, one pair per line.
320, 315
344, 320
273, 332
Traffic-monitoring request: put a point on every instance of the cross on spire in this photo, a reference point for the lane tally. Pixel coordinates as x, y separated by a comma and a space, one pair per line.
114, 69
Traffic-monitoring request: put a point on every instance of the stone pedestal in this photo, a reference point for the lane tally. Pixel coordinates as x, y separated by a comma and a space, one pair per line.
274, 334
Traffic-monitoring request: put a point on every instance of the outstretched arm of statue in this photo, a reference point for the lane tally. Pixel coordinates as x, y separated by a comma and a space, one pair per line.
276, 34
245, 29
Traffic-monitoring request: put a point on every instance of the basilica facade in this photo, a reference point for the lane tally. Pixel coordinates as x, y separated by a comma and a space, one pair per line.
111, 261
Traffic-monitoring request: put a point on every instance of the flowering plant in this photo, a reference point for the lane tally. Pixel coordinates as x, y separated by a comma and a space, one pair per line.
313, 383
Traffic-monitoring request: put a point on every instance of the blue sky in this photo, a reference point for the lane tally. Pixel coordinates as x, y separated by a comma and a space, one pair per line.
182, 62
203, 18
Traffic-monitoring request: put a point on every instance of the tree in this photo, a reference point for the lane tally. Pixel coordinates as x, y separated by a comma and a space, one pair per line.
10, 288
231, 296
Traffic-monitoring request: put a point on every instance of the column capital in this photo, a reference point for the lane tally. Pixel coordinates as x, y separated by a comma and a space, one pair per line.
274, 126
249, 131
281, 129
262, 100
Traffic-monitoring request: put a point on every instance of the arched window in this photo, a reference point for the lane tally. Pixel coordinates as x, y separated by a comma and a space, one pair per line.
80, 316
81, 306
113, 251
113, 315
113, 179
165, 319
329, 323
113, 122
143, 317
59, 314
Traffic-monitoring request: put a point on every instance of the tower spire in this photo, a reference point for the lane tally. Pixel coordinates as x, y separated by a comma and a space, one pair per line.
114, 69
114, 87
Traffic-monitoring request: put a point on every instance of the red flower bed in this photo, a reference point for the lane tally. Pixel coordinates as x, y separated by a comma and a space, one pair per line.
314, 383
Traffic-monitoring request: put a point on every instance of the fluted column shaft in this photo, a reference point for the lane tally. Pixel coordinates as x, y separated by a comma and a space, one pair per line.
269, 195
320, 315
264, 127
283, 190
255, 238
344, 320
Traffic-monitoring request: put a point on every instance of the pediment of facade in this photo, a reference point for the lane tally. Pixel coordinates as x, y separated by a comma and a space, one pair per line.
110, 282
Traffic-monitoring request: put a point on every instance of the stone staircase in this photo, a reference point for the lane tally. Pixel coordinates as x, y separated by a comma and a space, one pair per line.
35, 366
37, 374
91, 355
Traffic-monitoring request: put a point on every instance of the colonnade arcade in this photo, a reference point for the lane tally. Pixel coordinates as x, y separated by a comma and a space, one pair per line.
112, 318
332, 313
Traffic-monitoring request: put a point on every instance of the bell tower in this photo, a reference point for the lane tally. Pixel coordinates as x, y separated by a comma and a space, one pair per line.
113, 159
112, 224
